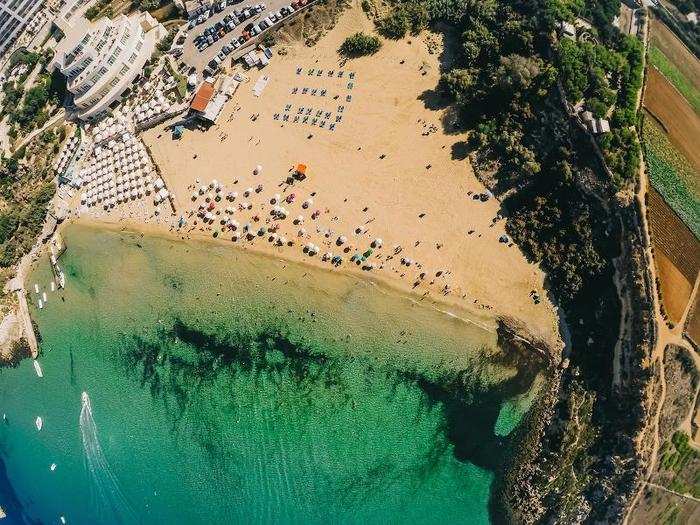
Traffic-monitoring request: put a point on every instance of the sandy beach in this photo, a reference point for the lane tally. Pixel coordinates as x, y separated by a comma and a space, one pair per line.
388, 170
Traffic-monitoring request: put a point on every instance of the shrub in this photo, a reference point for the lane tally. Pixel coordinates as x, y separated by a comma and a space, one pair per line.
360, 44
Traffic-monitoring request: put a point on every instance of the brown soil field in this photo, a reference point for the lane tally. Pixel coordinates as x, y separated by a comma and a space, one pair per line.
677, 254
675, 288
674, 113
663, 38
692, 328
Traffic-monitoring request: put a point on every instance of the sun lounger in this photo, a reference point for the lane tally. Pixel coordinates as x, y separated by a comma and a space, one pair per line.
276, 116
331, 72
340, 74
313, 121
319, 113
338, 118
298, 71
300, 110
350, 84
295, 90
285, 118
323, 92
313, 92
296, 119
319, 73
340, 109
287, 107
348, 98
328, 115
305, 120
352, 75
304, 91
322, 124
308, 111
332, 127
310, 72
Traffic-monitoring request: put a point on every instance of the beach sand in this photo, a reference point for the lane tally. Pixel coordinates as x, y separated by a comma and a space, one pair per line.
388, 168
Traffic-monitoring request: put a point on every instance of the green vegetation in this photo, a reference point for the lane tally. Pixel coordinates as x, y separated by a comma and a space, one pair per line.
606, 78
99, 9
404, 17
360, 44
672, 175
26, 194
676, 455
674, 75
180, 79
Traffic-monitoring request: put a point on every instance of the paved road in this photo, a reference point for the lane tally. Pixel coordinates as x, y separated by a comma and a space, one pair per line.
194, 58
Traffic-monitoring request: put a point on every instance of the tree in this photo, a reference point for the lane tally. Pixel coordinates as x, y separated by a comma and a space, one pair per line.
458, 84
517, 72
360, 44
395, 25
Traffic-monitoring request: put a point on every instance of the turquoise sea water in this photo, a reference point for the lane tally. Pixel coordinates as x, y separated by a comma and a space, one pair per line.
231, 388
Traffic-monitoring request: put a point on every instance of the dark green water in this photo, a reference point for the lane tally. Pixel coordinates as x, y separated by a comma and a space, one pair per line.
231, 388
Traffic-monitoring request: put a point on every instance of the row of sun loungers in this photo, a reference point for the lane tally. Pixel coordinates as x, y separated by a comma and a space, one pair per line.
330, 73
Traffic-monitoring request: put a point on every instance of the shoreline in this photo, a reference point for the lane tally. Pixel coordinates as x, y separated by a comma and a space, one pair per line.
483, 319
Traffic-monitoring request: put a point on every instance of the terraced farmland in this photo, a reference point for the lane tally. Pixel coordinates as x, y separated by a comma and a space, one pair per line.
675, 76
677, 255
681, 123
672, 175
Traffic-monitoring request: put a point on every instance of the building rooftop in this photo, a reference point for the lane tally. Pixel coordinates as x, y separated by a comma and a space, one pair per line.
202, 97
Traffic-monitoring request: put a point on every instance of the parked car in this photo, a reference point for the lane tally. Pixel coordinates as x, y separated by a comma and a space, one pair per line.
213, 64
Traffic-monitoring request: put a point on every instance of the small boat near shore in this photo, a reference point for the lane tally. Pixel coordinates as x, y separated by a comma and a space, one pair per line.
37, 369
39, 423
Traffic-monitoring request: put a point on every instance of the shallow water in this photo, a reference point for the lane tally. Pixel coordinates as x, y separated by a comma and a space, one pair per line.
228, 387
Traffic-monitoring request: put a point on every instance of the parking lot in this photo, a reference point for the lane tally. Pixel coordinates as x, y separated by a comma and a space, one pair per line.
199, 59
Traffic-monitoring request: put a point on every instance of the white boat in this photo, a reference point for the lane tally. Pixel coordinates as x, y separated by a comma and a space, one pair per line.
52, 467
43, 296
41, 304
39, 423
37, 369
61, 278
53, 286
63, 520
36, 288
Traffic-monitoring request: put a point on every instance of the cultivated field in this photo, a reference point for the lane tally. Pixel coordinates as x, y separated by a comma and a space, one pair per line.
663, 39
672, 174
677, 255
674, 75
674, 113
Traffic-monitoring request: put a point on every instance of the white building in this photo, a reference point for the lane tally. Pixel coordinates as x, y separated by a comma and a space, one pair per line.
101, 59
14, 17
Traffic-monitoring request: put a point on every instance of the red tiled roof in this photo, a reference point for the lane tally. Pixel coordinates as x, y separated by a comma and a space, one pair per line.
203, 96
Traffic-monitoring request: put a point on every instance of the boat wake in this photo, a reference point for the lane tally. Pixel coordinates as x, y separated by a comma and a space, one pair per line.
109, 502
